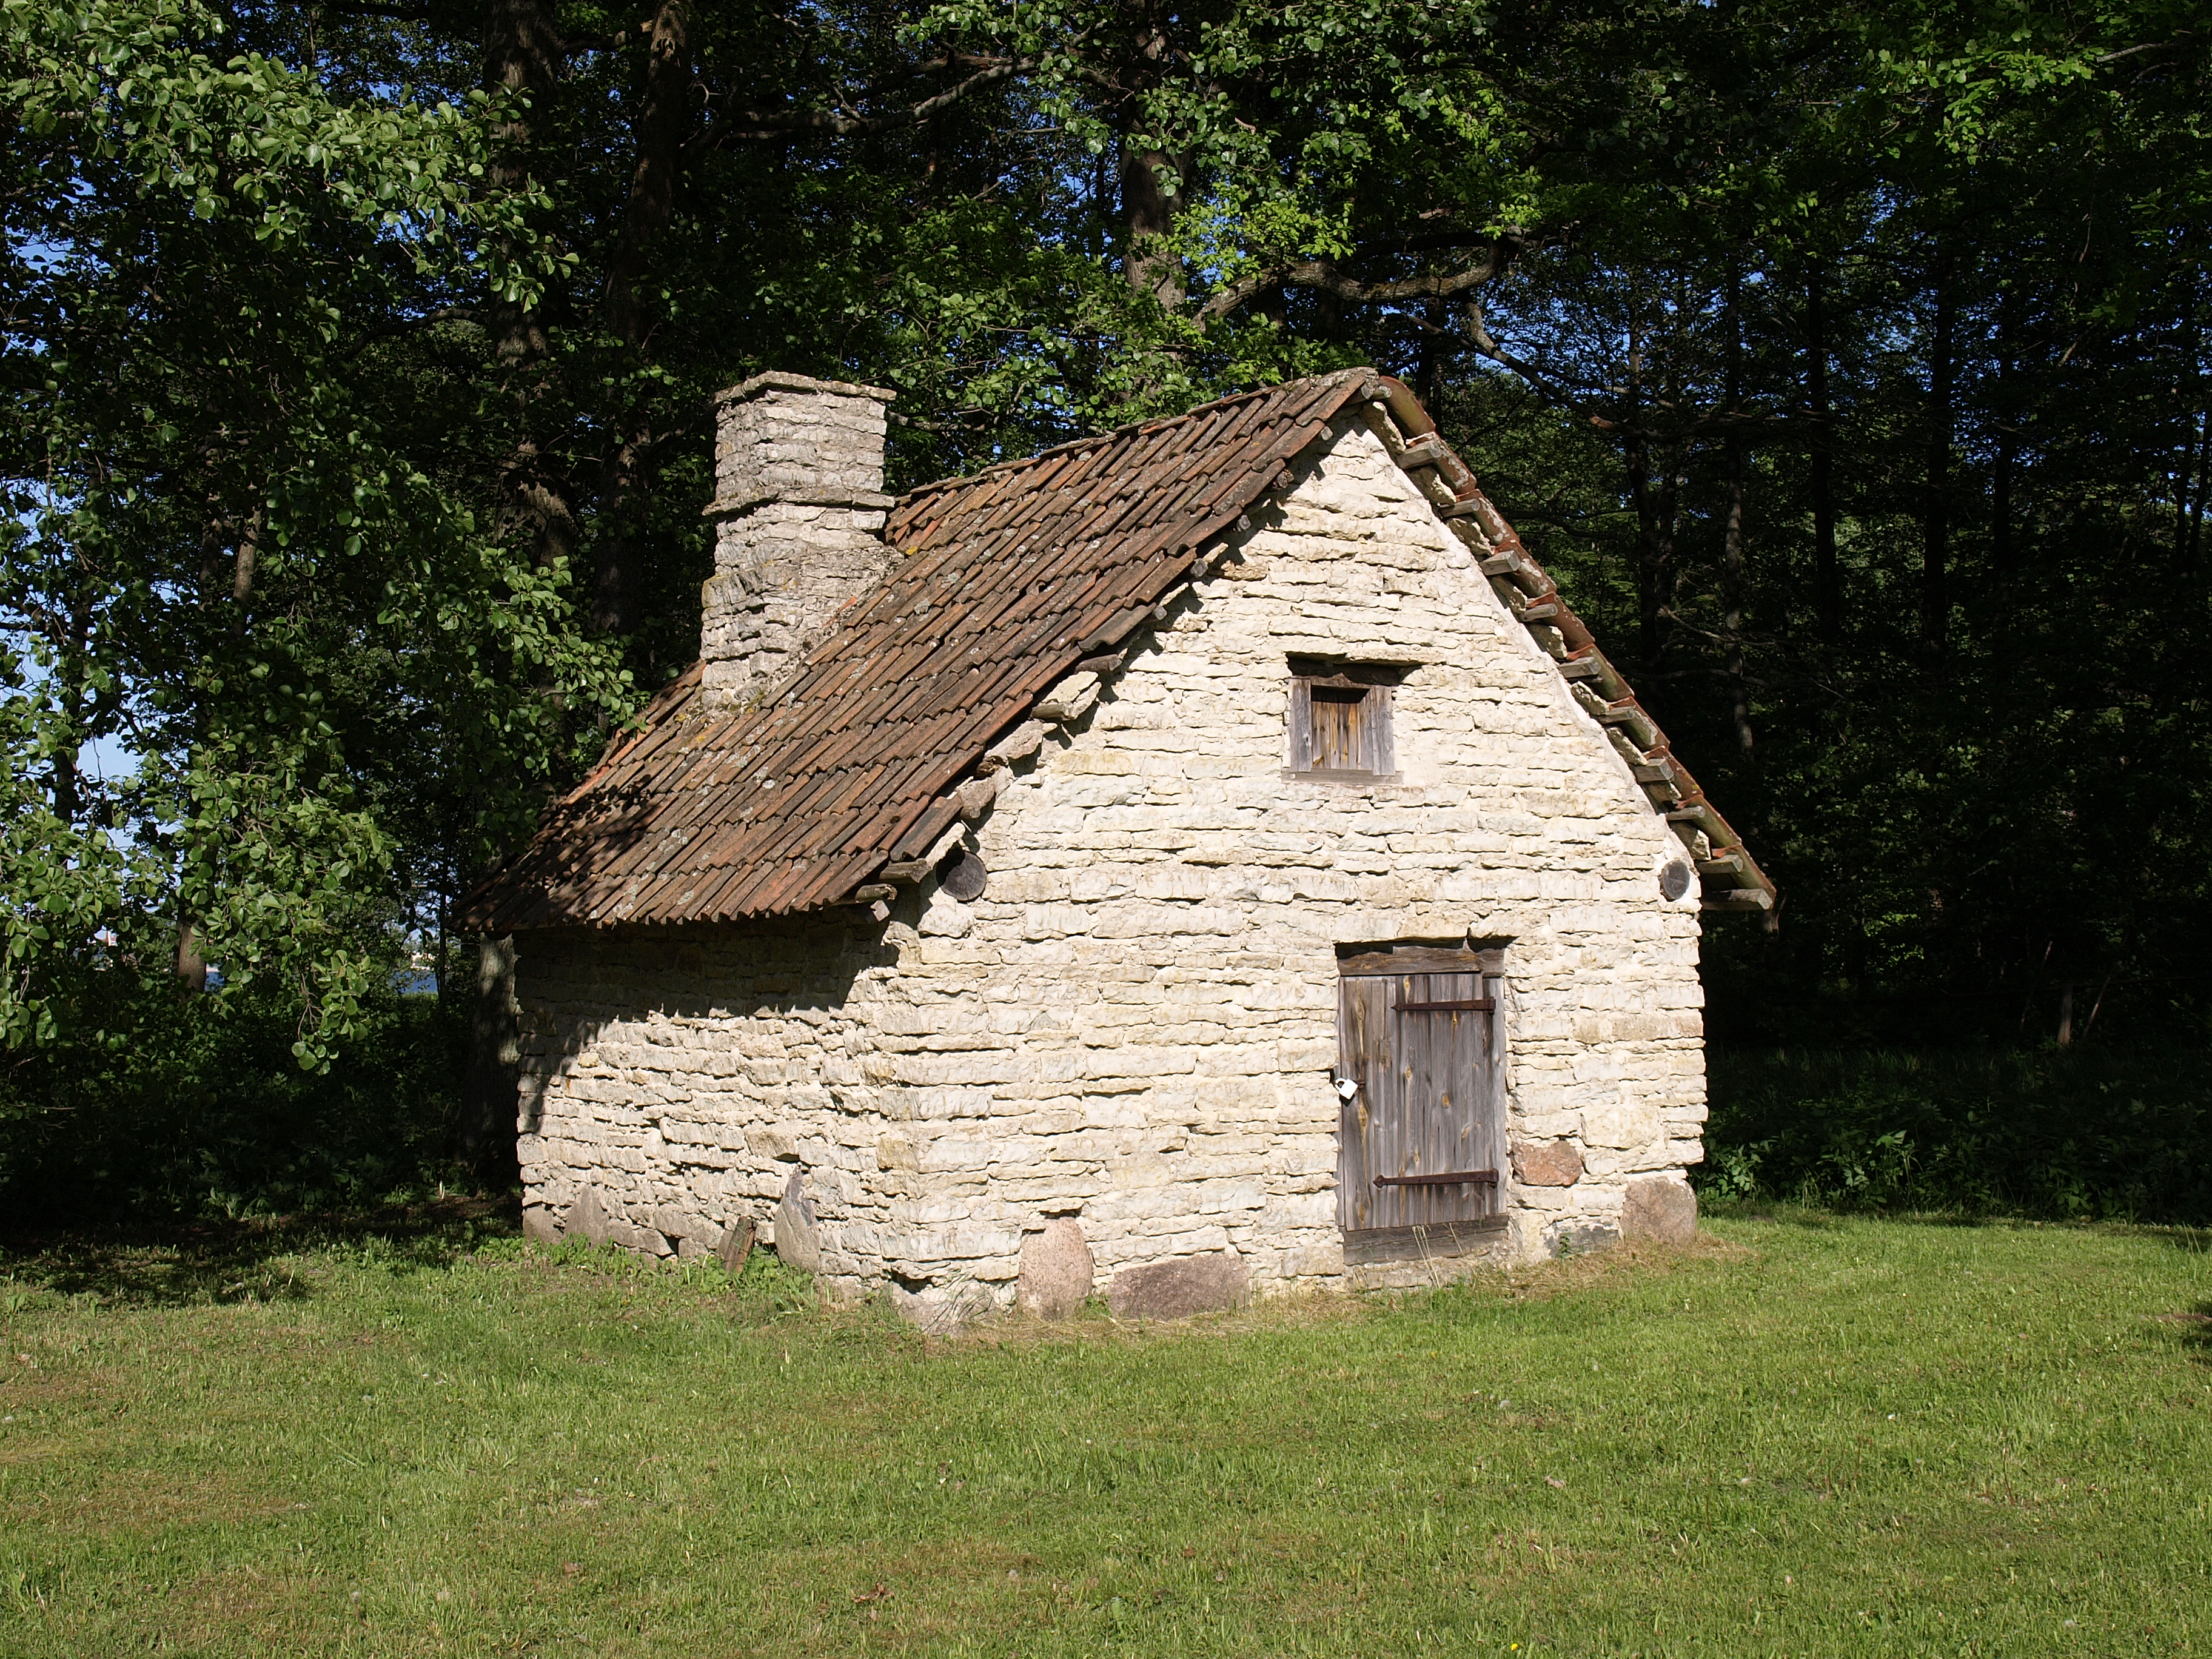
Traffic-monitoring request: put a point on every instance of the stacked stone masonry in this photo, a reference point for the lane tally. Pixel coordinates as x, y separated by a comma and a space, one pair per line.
1133, 1028
801, 512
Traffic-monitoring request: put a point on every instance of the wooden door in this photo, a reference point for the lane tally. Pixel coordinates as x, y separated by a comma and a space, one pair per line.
1421, 1139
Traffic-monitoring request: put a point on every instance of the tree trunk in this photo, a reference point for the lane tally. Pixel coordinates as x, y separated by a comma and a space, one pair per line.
1429, 374
625, 508
2196, 439
1655, 548
1934, 570
488, 1108
191, 966
1731, 530
1828, 580
626, 480
1147, 217
2204, 485
524, 54
1654, 561
1152, 180
2001, 555
657, 140
67, 790
245, 566
68, 786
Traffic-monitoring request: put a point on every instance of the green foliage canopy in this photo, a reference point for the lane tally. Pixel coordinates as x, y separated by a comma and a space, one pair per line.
217, 552
1848, 364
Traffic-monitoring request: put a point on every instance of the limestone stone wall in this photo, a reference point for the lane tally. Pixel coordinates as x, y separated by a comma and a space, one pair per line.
1133, 1028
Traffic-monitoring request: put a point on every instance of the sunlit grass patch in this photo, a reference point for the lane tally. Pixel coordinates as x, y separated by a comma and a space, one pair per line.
1806, 1435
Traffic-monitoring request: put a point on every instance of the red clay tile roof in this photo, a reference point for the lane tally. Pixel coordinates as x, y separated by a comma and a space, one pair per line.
1007, 582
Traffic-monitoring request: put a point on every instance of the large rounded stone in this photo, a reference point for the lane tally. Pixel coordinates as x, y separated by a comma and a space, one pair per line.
1658, 1207
1174, 1289
1057, 1271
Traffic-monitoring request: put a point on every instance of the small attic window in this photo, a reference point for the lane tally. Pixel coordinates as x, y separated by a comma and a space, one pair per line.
1339, 719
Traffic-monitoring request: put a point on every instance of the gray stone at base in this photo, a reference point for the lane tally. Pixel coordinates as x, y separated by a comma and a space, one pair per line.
796, 1245
1174, 1289
638, 1241
1658, 1208
941, 1310
584, 1218
1580, 1235
1057, 1271
539, 1225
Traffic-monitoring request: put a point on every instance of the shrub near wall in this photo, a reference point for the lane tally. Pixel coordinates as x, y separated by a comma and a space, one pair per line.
203, 1112
2089, 1133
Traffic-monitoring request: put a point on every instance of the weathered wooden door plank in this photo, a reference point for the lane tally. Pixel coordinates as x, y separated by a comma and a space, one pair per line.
1423, 1137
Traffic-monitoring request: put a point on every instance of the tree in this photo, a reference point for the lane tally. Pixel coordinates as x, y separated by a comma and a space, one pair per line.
221, 556
1847, 364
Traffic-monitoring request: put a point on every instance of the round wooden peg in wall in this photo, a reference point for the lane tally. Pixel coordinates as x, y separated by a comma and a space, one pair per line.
1674, 879
963, 875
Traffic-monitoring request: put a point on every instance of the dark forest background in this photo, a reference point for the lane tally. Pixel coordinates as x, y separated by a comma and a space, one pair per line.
1846, 363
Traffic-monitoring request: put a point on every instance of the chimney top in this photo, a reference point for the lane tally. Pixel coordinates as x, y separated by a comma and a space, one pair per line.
792, 439
776, 380
799, 476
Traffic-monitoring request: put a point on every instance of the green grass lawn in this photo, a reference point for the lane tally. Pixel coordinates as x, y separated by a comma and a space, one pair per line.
1804, 1436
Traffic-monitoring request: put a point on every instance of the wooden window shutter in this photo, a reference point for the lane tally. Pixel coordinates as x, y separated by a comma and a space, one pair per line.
1301, 748
1339, 728
1379, 752
1340, 724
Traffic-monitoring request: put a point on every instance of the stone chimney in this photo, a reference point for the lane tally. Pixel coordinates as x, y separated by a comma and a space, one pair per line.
799, 489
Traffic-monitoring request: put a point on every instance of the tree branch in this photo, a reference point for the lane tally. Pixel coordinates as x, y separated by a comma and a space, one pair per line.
368, 9
1326, 276
1607, 416
755, 124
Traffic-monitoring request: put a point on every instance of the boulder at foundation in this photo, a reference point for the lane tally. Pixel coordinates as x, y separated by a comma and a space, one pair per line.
1177, 1288
1057, 1271
1660, 1209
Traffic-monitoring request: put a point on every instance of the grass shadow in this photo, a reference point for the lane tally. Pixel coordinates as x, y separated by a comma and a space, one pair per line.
253, 1260
1814, 1218
1785, 1212
2193, 1330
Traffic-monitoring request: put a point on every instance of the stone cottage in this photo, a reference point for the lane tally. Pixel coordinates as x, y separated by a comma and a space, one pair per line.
1189, 862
